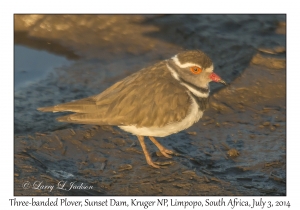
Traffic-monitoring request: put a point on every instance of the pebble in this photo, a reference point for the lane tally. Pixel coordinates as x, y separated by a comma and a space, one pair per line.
233, 153
125, 167
266, 123
193, 133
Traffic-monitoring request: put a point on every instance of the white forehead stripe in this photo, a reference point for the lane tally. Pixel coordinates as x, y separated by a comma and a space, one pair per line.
210, 69
177, 62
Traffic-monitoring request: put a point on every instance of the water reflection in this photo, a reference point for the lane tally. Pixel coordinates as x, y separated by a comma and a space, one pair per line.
32, 65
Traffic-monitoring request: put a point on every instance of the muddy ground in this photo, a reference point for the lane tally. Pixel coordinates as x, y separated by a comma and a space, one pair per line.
237, 148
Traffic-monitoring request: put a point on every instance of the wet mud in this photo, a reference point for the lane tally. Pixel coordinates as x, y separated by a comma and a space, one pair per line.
237, 148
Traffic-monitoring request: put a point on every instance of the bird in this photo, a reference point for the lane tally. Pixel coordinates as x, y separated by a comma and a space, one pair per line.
156, 101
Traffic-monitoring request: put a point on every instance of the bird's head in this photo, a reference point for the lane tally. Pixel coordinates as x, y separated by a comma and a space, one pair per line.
194, 67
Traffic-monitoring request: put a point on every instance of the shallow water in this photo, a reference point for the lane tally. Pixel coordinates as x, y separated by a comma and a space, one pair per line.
29, 62
89, 53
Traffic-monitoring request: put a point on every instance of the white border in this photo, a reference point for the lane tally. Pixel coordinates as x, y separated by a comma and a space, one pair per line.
8, 8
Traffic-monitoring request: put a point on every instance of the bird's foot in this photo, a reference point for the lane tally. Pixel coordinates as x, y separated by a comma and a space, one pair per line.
167, 153
152, 164
157, 164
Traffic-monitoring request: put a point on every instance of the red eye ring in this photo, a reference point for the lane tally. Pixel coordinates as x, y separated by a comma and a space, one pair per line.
195, 69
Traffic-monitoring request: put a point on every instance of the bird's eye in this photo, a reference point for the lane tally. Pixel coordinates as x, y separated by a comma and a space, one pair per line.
196, 70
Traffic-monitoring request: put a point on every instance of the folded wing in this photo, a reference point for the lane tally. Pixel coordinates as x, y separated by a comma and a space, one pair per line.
150, 97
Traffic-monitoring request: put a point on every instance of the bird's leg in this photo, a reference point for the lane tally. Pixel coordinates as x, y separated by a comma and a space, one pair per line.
148, 158
161, 148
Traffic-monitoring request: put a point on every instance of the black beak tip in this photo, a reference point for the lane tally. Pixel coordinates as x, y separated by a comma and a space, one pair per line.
223, 82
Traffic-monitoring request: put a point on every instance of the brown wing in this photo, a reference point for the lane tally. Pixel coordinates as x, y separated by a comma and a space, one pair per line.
148, 97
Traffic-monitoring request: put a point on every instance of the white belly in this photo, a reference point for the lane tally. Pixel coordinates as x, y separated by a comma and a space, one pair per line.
193, 116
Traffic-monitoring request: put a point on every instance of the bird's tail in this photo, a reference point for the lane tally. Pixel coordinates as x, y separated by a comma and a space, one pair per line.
49, 109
